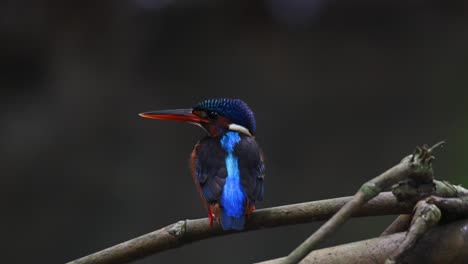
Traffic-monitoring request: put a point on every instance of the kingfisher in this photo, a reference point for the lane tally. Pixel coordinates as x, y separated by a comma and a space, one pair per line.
227, 164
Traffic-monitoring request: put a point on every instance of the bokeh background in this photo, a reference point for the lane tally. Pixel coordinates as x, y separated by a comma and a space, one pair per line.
342, 90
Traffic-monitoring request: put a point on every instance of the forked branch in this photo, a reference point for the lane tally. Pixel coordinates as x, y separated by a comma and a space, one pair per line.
417, 167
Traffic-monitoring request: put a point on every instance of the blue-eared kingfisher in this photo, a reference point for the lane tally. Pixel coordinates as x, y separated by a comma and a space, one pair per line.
227, 164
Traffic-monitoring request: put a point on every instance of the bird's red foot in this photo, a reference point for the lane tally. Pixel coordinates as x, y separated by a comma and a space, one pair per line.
249, 208
210, 216
213, 213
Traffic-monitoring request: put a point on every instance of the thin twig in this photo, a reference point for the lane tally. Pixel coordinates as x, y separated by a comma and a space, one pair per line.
400, 224
446, 189
184, 232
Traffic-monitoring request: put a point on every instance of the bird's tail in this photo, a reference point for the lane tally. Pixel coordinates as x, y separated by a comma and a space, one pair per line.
232, 222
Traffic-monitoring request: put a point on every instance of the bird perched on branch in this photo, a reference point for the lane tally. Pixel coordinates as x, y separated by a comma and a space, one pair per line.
227, 164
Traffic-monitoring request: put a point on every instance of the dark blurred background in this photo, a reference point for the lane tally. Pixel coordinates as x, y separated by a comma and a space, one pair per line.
342, 90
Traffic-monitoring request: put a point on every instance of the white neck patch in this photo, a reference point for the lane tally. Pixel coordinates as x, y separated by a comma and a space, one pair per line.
240, 129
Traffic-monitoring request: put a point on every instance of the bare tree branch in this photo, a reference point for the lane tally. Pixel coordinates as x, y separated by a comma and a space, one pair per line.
415, 181
188, 231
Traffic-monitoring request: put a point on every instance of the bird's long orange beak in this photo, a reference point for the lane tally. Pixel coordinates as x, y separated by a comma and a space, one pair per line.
185, 115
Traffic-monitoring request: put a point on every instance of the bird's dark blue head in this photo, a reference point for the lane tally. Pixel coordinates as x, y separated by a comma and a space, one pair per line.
215, 115
235, 111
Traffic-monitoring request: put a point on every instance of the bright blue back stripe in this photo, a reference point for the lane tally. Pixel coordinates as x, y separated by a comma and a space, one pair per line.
233, 197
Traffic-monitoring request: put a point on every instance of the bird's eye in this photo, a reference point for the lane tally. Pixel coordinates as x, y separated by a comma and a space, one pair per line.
212, 114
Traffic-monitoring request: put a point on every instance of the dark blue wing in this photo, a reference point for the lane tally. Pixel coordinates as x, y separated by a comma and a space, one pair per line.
210, 168
251, 166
